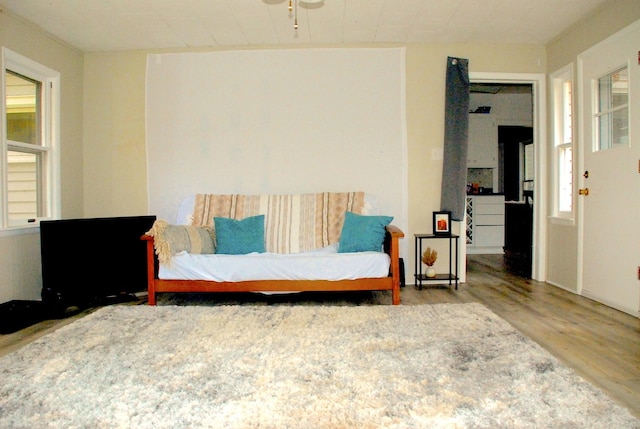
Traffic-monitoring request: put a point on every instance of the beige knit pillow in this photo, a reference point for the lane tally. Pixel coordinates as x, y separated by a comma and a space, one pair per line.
171, 239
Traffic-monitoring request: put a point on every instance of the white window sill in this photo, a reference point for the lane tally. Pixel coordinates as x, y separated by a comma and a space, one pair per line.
33, 228
566, 221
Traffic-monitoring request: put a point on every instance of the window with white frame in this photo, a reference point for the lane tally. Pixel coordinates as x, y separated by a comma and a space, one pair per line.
562, 87
29, 186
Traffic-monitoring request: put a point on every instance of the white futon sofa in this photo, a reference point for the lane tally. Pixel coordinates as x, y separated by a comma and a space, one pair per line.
274, 243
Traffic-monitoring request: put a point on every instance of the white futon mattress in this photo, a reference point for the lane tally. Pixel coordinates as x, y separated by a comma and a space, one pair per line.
273, 266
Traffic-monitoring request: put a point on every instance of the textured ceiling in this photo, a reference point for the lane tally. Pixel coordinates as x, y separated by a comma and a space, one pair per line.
107, 25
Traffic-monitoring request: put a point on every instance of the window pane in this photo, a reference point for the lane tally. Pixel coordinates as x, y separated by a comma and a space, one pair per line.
22, 107
565, 179
567, 111
614, 129
23, 185
612, 118
614, 90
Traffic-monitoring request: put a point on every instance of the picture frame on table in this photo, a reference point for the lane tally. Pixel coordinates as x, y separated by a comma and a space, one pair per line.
442, 223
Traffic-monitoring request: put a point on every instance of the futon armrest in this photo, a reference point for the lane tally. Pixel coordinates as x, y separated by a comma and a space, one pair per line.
152, 259
395, 231
392, 248
391, 243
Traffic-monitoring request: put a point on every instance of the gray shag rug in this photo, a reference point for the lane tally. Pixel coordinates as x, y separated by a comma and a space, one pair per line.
426, 366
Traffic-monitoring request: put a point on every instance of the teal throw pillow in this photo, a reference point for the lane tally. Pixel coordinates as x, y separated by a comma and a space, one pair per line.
239, 237
363, 233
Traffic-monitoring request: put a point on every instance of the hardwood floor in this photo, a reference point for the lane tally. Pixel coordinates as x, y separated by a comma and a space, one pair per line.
599, 343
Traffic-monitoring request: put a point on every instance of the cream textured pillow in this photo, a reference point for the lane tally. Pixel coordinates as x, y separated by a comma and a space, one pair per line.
171, 239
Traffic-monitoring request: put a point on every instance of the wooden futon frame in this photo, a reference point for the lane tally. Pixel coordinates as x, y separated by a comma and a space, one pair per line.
392, 282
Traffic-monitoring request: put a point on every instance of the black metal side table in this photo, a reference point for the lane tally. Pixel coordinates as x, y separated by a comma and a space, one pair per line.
452, 276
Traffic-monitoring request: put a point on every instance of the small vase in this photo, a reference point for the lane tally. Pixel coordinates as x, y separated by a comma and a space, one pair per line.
430, 272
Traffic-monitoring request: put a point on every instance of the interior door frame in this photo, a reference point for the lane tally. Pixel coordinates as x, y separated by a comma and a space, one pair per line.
538, 82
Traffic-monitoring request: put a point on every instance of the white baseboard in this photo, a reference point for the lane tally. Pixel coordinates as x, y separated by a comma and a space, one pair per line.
603, 300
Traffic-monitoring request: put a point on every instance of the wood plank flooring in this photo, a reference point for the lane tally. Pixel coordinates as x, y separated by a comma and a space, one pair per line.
599, 343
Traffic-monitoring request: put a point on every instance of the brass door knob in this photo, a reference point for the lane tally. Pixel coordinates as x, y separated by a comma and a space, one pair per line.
584, 191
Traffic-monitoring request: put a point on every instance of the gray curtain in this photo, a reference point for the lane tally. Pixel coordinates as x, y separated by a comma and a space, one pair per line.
456, 132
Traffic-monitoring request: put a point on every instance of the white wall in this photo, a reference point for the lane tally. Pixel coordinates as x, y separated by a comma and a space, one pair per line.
275, 122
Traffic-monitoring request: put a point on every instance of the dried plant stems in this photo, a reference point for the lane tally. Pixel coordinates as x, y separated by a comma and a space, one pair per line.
429, 256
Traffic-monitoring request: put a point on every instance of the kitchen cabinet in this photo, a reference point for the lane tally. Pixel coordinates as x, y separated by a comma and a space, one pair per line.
485, 224
483, 141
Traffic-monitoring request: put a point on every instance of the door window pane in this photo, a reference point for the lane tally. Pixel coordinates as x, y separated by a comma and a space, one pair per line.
614, 90
612, 118
614, 129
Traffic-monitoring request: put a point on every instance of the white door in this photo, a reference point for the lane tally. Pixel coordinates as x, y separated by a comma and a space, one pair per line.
609, 94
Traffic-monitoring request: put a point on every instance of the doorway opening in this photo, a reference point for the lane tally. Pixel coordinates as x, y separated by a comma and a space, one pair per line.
515, 146
517, 103
515, 165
